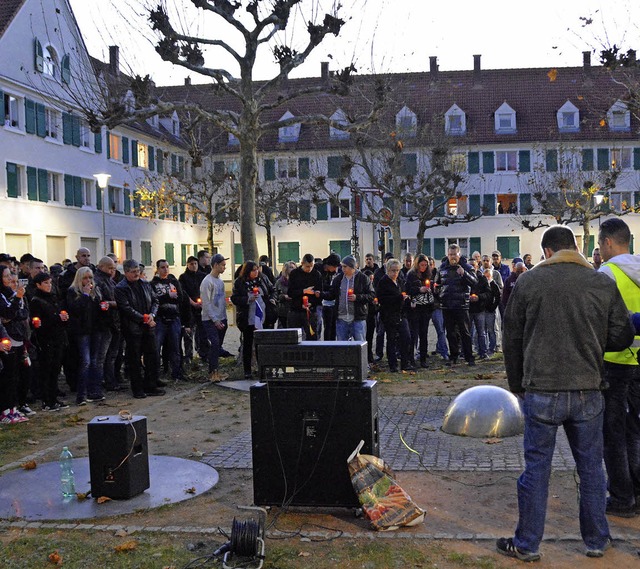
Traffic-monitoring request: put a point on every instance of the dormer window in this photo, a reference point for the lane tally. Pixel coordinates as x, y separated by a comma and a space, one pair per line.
153, 121
129, 102
289, 133
406, 123
233, 140
455, 121
568, 117
505, 119
50, 61
619, 117
336, 133
175, 124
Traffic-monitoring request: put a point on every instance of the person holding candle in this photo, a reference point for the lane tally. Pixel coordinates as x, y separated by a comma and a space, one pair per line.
190, 281
50, 337
420, 289
214, 313
305, 281
283, 300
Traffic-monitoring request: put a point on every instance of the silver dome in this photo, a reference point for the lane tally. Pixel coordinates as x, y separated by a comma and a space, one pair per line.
484, 411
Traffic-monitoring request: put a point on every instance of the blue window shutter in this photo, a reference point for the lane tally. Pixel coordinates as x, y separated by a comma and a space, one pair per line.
108, 145
473, 160
334, 166
181, 165
30, 116
152, 158
68, 189
524, 161
65, 69
475, 244
489, 204
474, 205
438, 249
526, 208
603, 159
269, 169
304, 171
322, 211
127, 201
488, 159
182, 215
32, 183
67, 128
551, 159
134, 152
97, 142
636, 159
587, 159
99, 199
41, 127
43, 185
38, 59
174, 164
75, 130
125, 150
77, 191
160, 161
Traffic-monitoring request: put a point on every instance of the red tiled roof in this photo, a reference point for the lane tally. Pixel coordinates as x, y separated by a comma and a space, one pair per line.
535, 94
8, 10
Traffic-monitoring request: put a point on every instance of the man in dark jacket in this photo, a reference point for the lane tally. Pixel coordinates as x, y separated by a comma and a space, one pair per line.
478, 300
453, 285
327, 317
190, 281
518, 269
490, 311
561, 318
138, 307
305, 288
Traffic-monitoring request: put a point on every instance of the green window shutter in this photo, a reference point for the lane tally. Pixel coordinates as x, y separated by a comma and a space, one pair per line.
13, 183
32, 183
183, 213
391, 247
152, 158
218, 168
134, 152
508, 246
127, 201
145, 253
237, 253
136, 203
636, 159
604, 163
488, 165
475, 244
174, 164
631, 248
474, 205
526, 208
30, 116
65, 69
489, 204
304, 170
334, 166
67, 128
551, 160
98, 197
184, 253
68, 189
322, 211
342, 247
41, 127
97, 142
160, 160
438, 206
269, 169
43, 185
75, 130
125, 150
288, 251
181, 165
592, 245
305, 210
473, 159
410, 164
168, 253
108, 145
38, 58
77, 191
524, 161
587, 159
438, 249
128, 249
426, 247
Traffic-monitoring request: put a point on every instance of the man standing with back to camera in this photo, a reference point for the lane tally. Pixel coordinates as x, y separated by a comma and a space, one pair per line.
561, 318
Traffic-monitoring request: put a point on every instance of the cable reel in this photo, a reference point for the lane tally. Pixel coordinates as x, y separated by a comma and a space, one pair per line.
246, 546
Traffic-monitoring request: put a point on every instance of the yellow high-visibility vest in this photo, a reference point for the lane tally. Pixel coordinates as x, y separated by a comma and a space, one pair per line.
631, 295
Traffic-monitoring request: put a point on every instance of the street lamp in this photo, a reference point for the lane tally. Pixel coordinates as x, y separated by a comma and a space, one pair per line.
103, 182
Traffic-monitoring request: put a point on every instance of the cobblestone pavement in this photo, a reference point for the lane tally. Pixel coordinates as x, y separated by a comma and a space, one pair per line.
418, 420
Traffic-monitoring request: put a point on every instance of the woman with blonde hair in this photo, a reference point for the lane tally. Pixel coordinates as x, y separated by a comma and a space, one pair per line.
283, 300
83, 303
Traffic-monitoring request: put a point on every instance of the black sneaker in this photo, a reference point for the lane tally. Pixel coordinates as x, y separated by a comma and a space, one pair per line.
161, 383
599, 552
95, 398
629, 512
505, 546
62, 404
140, 395
26, 410
155, 392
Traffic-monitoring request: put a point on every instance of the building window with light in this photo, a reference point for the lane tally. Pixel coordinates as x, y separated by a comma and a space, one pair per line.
11, 111
143, 155
115, 146
621, 158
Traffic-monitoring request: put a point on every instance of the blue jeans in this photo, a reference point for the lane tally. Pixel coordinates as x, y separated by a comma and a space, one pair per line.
356, 329
215, 336
438, 323
478, 319
168, 336
622, 433
580, 413
490, 331
89, 374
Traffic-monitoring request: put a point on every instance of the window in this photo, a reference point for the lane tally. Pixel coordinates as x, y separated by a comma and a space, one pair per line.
505, 119
507, 161
336, 167
53, 181
50, 61
406, 123
619, 117
175, 126
15, 174
340, 210
143, 155
115, 146
462, 242
457, 206
233, 140
457, 162
568, 118
119, 249
85, 135
337, 133
621, 158
88, 192
507, 203
289, 133
288, 251
52, 120
11, 111
116, 200
342, 247
288, 168
455, 121
620, 201
508, 246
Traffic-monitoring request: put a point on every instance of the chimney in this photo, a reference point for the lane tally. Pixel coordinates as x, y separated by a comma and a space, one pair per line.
187, 81
632, 57
586, 59
324, 70
114, 59
476, 68
433, 67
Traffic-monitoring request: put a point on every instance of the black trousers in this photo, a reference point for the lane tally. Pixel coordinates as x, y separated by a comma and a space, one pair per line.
458, 327
307, 322
50, 364
141, 352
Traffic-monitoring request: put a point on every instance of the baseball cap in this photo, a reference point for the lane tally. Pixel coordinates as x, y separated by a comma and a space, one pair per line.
517, 260
218, 258
333, 260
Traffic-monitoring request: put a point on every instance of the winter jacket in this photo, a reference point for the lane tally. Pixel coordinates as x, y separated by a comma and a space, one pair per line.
14, 314
107, 287
393, 304
52, 330
298, 281
415, 281
240, 298
483, 292
173, 302
494, 300
85, 315
132, 308
452, 288
361, 288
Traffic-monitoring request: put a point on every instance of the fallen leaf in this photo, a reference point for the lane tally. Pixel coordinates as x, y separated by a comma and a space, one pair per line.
428, 427
55, 558
74, 419
492, 441
30, 442
191, 490
409, 412
83, 495
304, 554
29, 465
552, 74
103, 499
198, 454
127, 546
122, 533
386, 381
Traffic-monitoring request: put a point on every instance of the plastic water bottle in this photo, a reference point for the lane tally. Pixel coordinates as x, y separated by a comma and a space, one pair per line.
67, 480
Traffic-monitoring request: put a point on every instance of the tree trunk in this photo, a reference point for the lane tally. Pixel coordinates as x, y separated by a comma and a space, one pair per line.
269, 247
248, 181
420, 236
210, 226
586, 227
394, 224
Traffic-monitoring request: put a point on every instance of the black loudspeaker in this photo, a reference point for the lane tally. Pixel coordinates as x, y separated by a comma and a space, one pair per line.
118, 456
303, 433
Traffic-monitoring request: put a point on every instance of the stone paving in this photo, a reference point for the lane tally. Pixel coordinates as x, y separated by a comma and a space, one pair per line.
417, 422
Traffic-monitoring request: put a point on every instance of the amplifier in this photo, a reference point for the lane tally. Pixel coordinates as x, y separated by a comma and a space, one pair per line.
313, 361
279, 336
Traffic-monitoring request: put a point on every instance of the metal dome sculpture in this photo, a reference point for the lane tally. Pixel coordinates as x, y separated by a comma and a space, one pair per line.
484, 411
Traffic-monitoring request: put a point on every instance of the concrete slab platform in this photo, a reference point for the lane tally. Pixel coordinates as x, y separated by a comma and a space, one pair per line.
34, 495
239, 384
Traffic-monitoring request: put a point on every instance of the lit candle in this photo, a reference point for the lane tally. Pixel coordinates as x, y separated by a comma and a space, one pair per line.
404, 294
305, 301
6, 342
375, 300
350, 291
145, 318
199, 300
427, 283
36, 322
255, 290
64, 313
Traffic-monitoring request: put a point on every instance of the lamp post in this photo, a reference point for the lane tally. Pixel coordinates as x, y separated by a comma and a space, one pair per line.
103, 182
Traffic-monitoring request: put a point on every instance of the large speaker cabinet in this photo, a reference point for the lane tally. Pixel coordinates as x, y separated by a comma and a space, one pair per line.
303, 433
118, 456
